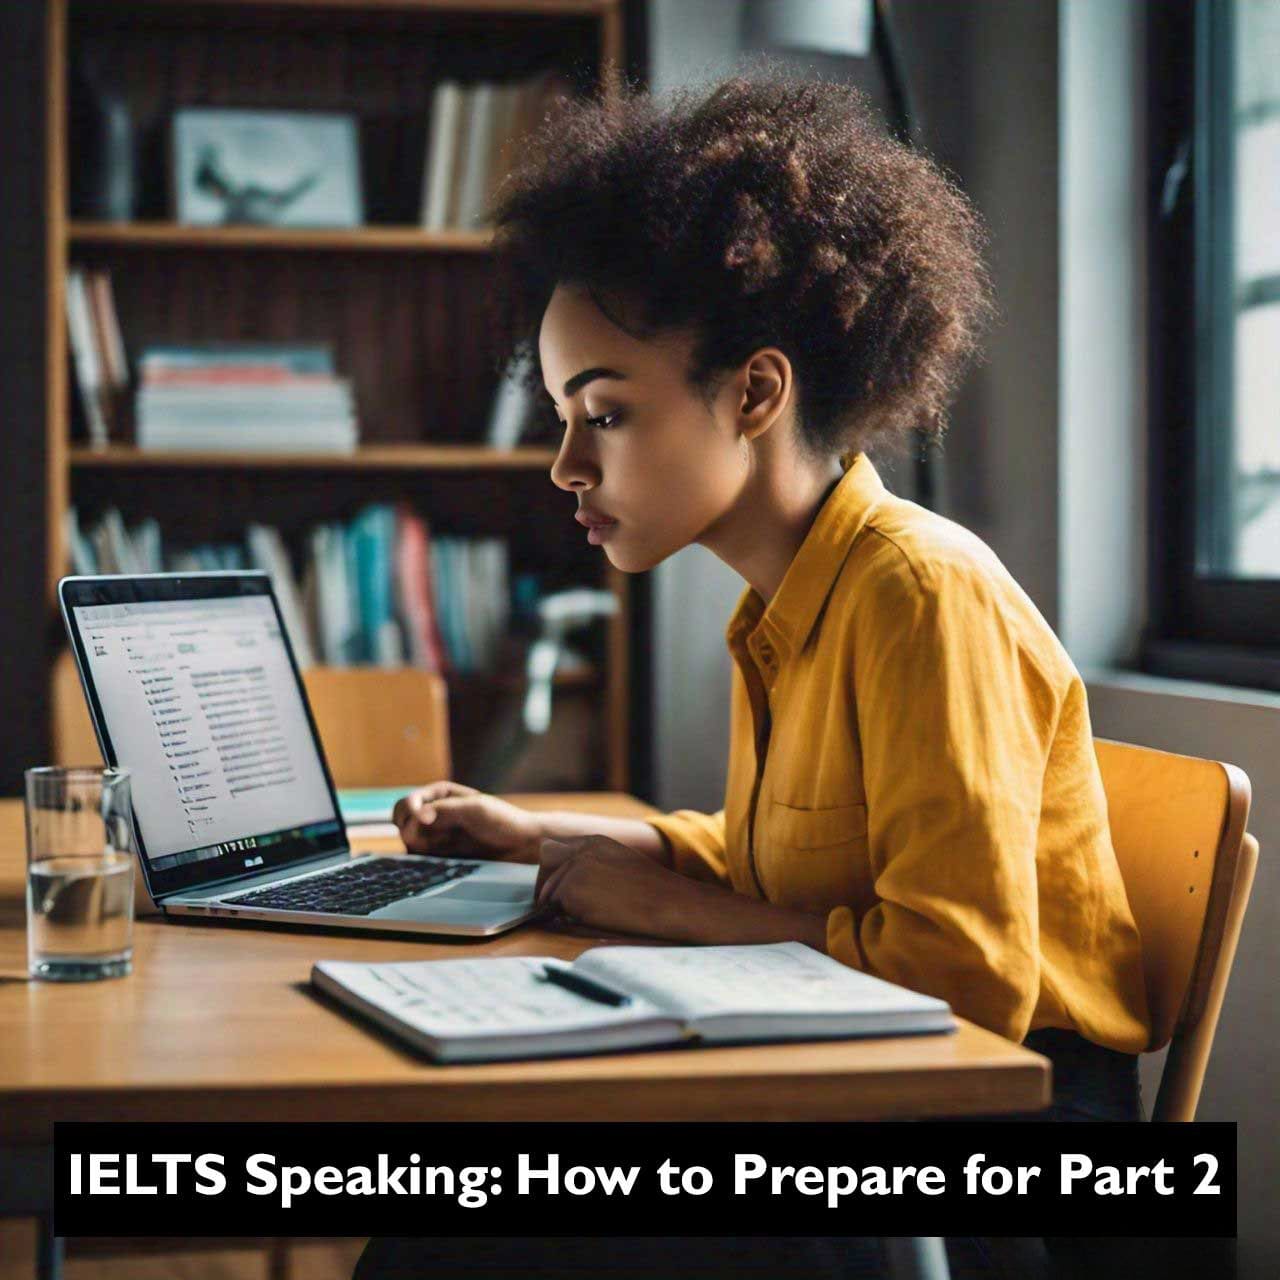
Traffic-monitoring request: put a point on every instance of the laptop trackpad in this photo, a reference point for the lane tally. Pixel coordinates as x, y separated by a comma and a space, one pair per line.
450, 908
486, 891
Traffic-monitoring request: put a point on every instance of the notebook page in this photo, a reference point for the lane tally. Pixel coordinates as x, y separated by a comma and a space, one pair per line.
453, 999
779, 980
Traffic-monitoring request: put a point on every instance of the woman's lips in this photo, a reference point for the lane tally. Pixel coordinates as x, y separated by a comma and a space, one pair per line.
598, 527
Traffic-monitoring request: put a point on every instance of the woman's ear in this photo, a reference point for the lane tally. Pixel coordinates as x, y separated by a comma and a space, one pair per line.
766, 391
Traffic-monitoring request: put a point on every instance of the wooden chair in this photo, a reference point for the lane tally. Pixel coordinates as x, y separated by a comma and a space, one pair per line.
381, 728
1178, 826
73, 737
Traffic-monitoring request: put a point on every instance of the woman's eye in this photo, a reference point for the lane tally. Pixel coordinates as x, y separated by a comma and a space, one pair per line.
601, 422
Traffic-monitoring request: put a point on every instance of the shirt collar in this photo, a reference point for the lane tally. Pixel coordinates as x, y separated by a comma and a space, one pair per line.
789, 617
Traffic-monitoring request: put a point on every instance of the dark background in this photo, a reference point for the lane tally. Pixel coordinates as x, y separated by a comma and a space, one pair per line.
23, 709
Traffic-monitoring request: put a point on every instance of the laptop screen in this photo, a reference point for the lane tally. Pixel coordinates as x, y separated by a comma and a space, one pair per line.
199, 699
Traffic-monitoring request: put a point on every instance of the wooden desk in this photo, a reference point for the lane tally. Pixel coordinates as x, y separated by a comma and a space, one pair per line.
216, 1023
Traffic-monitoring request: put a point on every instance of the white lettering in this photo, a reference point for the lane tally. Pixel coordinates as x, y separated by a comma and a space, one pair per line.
210, 1181
262, 1178
294, 1181
104, 1170
171, 1161
1072, 1168
747, 1168
526, 1175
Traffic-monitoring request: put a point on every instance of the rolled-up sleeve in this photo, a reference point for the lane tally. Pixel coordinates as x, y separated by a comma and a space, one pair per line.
956, 722
696, 842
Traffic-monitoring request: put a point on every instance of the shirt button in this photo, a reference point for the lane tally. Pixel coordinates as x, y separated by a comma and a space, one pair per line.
766, 653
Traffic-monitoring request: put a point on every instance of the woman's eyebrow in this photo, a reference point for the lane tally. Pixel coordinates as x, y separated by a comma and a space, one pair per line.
580, 380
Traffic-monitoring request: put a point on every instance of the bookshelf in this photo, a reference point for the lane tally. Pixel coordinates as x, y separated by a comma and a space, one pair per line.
372, 457
173, 235
399, 304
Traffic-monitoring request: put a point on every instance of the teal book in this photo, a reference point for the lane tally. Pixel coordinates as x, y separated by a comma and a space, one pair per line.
373, 534
461, 589
444, 568
353, 649
305, 358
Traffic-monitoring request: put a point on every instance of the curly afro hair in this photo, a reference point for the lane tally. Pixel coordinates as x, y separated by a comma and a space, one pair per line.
768, 210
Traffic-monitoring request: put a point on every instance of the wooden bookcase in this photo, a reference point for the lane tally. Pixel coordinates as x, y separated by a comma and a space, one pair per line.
400, 305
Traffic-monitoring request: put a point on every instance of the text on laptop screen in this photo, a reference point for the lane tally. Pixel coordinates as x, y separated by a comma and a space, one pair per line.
202, 706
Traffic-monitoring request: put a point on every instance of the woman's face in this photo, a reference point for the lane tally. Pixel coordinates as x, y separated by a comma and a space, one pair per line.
653, 466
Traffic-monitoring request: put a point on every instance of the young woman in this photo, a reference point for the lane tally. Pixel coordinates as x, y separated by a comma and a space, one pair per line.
732, 298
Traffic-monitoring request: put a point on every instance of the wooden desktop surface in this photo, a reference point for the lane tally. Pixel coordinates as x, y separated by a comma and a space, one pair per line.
217, 1023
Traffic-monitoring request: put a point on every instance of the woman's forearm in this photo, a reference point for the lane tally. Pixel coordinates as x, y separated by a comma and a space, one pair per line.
615, 882
713, 914
564, 824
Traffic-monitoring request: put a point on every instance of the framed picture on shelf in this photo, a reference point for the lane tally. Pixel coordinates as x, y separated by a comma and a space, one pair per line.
268, 168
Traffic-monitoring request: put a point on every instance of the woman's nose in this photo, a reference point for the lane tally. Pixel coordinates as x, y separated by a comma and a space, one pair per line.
575, 468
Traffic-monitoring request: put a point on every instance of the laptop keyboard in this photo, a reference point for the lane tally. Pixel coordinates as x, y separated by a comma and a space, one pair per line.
359, 889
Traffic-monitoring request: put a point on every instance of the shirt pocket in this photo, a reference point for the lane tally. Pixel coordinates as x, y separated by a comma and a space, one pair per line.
815, 859
791, 827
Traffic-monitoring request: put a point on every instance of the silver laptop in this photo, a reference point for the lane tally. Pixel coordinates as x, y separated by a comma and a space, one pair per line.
193, 687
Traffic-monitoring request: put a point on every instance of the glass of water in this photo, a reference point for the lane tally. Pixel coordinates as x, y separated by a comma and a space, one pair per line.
79, 874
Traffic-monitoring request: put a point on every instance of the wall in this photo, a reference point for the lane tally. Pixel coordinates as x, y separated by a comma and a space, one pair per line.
1102, 299
23, 710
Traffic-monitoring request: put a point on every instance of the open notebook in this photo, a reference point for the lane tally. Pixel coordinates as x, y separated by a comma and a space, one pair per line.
614, 998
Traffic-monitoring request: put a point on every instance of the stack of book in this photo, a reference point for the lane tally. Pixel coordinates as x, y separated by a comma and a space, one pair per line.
244, 397
472, 136
378, 589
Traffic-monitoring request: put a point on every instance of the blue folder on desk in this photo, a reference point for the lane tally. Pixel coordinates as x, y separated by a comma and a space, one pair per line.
359, 805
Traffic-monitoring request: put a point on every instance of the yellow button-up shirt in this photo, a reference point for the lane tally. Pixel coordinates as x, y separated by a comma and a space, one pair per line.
910, 755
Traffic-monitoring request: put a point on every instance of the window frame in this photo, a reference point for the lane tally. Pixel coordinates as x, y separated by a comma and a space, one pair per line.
1200, 626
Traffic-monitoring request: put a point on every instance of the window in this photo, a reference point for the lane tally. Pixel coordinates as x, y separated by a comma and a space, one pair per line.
1214, 143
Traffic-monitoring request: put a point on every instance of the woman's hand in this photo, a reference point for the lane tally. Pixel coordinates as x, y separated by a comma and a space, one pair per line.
597, 881
447, 818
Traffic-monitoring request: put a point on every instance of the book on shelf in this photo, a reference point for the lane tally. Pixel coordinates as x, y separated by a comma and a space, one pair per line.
86, 360
99, 364
469, 188
373, 537
442, 141
334, 609
244, 397
80, 552
513, 406
472, 136
616, 998
267, 552
377, 589
416, 593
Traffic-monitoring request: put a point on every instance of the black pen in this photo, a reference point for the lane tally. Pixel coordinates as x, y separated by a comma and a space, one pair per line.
583, 986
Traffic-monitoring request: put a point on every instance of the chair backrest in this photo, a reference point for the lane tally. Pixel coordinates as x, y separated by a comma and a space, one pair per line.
74, 741
379, 727
1178, 827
